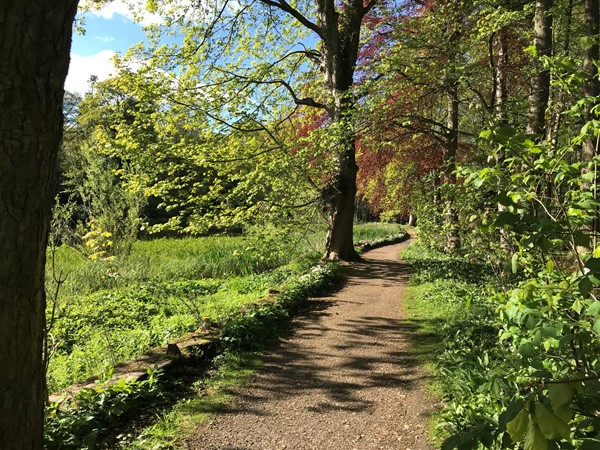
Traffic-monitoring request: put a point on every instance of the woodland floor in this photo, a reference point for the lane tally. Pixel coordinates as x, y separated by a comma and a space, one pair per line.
346, 378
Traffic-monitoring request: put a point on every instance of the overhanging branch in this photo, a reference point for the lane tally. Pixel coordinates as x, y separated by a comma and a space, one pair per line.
286, 7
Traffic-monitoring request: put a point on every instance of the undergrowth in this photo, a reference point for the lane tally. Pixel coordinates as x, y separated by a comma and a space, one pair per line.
449, 300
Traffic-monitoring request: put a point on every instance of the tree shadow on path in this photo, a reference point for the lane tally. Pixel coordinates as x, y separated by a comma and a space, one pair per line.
340, 349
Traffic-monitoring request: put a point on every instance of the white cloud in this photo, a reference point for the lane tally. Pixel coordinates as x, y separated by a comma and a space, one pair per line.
82, 67
133, 10
104, 38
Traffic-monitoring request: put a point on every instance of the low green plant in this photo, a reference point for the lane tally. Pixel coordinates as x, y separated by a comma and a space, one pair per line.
535, 384
81, 422
448, 300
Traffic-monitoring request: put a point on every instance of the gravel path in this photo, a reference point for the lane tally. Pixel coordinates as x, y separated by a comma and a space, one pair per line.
345, 379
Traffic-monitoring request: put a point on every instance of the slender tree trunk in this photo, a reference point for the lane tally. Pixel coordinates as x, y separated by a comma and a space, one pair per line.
540, 82
591, 89
452, 236
500, 100
451, 87
34, 45
592, 53
569, 18
500, 75
557, 97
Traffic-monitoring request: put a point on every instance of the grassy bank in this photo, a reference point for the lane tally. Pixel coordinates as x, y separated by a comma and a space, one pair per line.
110, 310
448, 301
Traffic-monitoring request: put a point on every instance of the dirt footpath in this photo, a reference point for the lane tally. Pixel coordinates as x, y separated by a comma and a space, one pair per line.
345, 379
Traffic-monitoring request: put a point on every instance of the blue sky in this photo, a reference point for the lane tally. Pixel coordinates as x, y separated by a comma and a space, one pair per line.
108, 31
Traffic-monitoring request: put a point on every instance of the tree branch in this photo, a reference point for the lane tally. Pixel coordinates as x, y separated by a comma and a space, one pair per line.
286, 7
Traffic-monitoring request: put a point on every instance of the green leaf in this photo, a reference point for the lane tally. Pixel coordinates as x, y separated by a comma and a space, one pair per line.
596, 327
486, 438
589, 444
534, 439
506, 218
565, 413
582, 239
560, 394
505, 200
593, 264
594, 309
551, 425
519, 425
526, 349
510, 413
585, 287
515, 263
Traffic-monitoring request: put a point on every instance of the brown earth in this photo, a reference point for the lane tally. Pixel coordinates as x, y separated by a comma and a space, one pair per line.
346, 378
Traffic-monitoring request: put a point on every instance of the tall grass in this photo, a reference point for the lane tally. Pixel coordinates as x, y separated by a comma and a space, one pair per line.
171, 259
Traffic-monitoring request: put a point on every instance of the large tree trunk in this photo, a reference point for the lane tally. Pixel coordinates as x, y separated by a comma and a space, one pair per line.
35, 44
340, 42
540, 82
339, 200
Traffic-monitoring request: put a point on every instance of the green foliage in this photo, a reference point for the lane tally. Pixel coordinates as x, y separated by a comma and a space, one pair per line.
241, 337
373, 231
431, 199
92, 414
210, 394
247, 331
449, 300
546, 312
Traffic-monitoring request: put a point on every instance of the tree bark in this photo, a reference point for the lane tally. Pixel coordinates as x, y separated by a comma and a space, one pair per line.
340, 43
500, 75
592, 53
34, 45
591, 89
540, 82
452, 236
452, 242
500, 103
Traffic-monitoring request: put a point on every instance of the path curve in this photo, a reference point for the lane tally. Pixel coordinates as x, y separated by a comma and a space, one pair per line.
345, 379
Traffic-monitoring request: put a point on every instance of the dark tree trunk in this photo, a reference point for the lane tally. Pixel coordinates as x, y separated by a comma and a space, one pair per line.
35, 43
500, 102
340, 193
340, 34
452, 236
452, 242
540, 82
591, 89
592, 53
